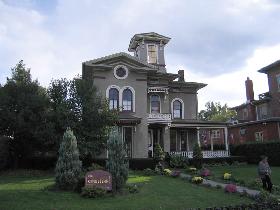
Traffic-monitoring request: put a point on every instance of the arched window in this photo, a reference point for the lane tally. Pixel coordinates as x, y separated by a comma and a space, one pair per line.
127, 100
155, 104
177, 109
113, 98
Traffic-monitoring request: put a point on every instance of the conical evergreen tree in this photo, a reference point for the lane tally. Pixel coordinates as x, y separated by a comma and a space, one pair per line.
68, 166
117, 163
197, 156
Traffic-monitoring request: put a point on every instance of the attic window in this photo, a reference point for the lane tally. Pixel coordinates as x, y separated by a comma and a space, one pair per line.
120, 72
152, 53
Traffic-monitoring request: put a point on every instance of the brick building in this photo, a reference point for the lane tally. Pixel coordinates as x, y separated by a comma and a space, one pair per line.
259, 120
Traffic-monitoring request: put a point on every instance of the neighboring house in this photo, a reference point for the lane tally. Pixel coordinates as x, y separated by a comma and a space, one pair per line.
259, 120
155, 106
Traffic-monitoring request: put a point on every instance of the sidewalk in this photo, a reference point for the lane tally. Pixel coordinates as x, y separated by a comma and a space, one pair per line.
240, 189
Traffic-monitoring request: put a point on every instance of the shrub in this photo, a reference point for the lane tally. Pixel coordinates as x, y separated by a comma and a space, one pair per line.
80, 183
231, 188
205, 172
133, 188
117, 163
197, 156
167, 172
175, 173
227, 176
68, 166
192, 170
197, 180
159, 169
178, 161
158, 153
94, 166
148, 172
253, 151
93, 192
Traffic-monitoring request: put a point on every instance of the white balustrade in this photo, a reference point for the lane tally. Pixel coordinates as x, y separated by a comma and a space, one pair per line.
206, 154
159, 118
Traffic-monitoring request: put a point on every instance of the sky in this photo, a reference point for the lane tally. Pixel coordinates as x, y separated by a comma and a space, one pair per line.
217, 42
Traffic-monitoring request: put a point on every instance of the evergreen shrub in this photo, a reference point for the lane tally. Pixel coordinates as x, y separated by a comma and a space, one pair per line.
68, 166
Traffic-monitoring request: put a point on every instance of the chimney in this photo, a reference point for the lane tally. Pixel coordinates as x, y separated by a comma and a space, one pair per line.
249, 90
181, 76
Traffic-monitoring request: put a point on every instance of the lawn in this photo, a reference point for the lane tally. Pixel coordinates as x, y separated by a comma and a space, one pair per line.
25, 191
248, 173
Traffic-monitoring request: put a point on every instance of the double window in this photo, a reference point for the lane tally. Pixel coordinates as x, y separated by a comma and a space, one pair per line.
113, 98
278, 81
121, 98
127, 100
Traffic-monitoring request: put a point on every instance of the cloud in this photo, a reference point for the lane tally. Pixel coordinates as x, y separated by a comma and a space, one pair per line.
213, 40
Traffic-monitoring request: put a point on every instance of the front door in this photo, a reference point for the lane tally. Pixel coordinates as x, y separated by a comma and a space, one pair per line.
150, 143
155, 137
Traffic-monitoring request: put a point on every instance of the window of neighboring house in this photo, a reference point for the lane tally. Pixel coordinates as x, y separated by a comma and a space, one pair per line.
262, 111
245, 114
177, 109
278, 81
155, 104
152, 53
215, 133
127, 102
242, 131
259, 136
113, 98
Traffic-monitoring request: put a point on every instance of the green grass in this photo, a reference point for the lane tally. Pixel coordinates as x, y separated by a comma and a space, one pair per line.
248, 173
21, 191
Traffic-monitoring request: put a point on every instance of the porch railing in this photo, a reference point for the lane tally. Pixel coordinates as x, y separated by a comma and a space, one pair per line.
159, 118
206, 154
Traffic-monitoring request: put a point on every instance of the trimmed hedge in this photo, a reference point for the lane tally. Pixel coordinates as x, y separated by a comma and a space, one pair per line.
253, 151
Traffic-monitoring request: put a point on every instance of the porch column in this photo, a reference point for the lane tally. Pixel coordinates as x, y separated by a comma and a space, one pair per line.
226, 137
166, 139
198, 140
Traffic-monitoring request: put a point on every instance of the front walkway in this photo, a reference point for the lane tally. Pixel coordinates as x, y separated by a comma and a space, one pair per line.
240, 189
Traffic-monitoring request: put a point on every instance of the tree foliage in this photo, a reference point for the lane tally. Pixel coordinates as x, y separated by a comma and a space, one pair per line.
158, 153
117, 163
68, 166
216, 112
24, 107
76, 103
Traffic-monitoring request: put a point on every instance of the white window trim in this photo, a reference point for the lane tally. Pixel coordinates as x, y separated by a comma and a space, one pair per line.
148, 52
116, 87
258, 133
183, 105
120, 66
159, 103
133, 97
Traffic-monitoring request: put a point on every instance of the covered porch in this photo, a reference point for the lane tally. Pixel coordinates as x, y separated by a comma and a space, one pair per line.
212, 137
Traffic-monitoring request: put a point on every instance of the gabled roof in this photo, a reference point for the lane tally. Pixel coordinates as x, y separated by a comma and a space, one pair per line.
151, 36
269, 67
118, 55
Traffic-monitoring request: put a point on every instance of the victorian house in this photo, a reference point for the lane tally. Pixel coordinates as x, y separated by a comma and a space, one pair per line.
155, 106
259, 119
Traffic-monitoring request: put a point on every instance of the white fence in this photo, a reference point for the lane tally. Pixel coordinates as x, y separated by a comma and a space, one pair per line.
206, 154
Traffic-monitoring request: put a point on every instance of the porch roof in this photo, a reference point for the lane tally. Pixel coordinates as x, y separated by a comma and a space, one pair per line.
128, 118
268, 120
198, 123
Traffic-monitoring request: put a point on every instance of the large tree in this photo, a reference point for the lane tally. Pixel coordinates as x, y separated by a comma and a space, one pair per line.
24, 106
216, 112
77, 104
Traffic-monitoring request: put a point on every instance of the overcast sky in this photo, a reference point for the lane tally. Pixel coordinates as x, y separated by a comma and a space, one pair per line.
218, 42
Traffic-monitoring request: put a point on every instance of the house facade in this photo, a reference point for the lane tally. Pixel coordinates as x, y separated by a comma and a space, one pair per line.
259, 120
154, 106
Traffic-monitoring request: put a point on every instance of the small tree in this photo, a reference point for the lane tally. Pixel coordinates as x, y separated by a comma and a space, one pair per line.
68, 166
117, 163
158, 153
197, 156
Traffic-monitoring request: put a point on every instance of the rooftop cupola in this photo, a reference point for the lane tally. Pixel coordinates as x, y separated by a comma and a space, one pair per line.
149, 47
